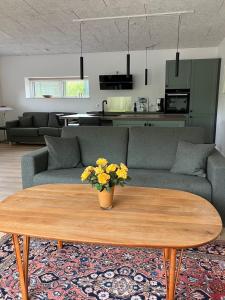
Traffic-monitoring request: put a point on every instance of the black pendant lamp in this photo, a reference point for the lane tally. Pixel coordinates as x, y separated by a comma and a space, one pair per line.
178, 53
81, 54
146, 65
128, 47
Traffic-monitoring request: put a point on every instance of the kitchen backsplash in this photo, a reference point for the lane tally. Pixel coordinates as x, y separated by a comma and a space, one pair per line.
120, 104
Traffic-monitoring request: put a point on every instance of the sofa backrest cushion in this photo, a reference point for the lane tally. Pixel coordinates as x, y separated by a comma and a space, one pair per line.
26, 121
155, 147
40, 119
99, 141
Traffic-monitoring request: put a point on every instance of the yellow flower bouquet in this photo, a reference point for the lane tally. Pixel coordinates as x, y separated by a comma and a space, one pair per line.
104, 176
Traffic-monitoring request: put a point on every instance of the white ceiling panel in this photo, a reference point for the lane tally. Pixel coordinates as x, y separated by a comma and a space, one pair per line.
46, 26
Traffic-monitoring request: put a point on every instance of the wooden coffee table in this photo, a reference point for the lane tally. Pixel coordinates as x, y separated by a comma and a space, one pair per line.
141, 217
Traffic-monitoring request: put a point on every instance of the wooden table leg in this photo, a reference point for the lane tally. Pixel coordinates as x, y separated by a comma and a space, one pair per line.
60, 245
22, 264
26, 248
167, 254
172, 274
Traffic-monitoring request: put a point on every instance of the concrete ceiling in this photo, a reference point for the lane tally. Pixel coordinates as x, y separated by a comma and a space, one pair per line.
45, 26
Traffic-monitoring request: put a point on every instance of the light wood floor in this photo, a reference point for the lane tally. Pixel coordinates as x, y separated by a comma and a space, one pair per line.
10, 171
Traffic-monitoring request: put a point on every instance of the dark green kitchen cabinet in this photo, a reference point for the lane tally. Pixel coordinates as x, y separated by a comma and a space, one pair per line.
204, 95
183, 81
201, 76
206, 121
204, 86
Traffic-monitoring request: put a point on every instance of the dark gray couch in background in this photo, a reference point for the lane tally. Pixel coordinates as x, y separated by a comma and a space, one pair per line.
149, 153
43, 123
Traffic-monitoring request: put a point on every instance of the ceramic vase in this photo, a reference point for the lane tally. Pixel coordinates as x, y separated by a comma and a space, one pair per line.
105, 198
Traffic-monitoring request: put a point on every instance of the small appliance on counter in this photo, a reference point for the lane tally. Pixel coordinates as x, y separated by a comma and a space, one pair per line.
160, 105
142, 104
177, 101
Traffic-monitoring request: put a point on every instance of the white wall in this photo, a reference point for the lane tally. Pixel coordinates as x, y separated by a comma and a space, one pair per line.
13, 69
220, 131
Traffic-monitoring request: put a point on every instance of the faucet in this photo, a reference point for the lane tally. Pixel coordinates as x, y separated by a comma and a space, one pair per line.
103, 107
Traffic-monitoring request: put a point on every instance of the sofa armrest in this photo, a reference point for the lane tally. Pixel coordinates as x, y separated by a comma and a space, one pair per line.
216, 176
33, 163
12, 124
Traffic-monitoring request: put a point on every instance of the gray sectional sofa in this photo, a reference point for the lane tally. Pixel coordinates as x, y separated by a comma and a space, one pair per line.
42, 123
149, 153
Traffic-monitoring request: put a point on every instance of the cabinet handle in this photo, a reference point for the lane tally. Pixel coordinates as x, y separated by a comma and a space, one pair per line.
191, 117
149, 124
145, 124
191, 110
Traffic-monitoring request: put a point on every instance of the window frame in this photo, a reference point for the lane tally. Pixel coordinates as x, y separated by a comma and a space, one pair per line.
30, 86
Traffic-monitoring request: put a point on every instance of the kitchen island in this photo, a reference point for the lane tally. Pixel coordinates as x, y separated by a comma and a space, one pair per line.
149, 119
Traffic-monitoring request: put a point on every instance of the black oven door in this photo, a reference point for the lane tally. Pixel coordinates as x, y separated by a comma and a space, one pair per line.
177, 103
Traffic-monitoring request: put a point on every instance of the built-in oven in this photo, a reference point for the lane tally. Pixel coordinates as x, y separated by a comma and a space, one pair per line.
177, 101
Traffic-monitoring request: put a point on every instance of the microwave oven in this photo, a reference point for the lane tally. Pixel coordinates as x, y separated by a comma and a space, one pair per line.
177, 101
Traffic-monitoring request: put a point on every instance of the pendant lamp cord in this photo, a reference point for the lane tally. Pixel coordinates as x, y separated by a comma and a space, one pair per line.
178, 32
128, 35
81, 42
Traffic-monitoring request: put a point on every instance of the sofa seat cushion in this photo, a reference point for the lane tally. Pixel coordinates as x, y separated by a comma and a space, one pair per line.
146, 178
165, 179
155, 147
23, 131
49, 131
58, 176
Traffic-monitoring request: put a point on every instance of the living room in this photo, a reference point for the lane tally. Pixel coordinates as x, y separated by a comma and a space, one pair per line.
99, 94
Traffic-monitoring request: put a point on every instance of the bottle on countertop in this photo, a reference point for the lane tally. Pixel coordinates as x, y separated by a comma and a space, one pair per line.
135, 107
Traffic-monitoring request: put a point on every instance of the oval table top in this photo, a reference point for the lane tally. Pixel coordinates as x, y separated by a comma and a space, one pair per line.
140, 217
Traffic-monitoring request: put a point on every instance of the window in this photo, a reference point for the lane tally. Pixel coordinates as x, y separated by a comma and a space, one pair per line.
52, 87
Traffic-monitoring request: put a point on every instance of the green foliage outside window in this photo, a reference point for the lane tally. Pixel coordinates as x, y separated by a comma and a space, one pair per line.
76, 88
60, 88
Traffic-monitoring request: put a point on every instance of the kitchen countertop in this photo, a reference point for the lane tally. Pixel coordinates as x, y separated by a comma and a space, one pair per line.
147, 116
151, 116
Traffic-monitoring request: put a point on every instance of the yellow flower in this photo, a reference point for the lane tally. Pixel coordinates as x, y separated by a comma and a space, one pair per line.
103, 178
85, 175
98, 170
111, 168
121, 173
102, 162
123, 167
89, 169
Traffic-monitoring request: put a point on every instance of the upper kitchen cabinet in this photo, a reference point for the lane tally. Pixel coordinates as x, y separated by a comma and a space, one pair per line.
183, 81
204, 86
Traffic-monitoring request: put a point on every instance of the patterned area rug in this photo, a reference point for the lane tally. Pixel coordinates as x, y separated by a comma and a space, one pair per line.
84, 272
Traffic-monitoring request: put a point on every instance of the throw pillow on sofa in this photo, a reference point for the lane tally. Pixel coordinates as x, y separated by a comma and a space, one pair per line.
26, 122
63, 153
191, 158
